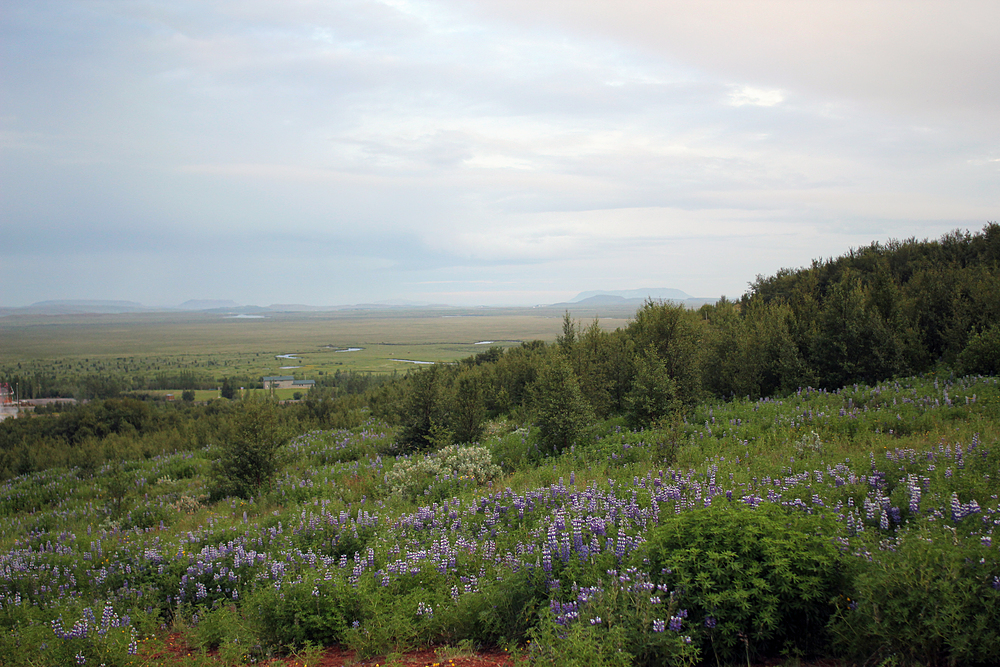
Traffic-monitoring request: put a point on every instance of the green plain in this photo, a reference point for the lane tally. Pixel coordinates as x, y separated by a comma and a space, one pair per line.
226, 345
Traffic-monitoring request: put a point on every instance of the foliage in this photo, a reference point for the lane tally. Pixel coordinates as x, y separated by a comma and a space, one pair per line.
451, 464
623, 620
251, 454
560, 411
676, 335
328, 553
424, 416
653, 396
927, 597
754, 581
982, 354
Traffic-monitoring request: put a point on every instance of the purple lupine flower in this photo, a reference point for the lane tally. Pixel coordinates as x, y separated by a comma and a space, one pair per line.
659, 625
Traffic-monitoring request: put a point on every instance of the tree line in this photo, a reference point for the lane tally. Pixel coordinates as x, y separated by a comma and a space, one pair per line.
886, 310
899, 308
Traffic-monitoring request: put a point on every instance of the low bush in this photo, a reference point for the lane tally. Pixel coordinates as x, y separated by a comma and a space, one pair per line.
413, 476
755, 582
928, 597
624, 620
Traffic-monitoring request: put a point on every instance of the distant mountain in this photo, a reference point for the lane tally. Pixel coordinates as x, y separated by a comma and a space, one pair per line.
642, 294
207, 304
634, 298
296, 308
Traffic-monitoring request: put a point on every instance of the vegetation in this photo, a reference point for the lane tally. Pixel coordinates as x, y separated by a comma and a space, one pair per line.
808, 472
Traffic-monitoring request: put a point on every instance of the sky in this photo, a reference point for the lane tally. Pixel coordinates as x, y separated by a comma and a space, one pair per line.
480, 152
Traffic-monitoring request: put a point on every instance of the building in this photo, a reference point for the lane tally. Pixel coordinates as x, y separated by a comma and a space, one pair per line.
286, 382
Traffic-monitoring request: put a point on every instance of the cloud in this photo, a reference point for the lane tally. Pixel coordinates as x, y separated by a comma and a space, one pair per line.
535, 146
756, 97
920, 57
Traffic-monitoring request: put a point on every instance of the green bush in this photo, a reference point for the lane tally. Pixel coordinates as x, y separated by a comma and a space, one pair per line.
982, 353
250, 455
755, 582
312, 610
412, 476
623, 620
928, 598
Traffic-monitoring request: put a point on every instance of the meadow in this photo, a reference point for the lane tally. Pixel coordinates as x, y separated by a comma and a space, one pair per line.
857, 524
215, 346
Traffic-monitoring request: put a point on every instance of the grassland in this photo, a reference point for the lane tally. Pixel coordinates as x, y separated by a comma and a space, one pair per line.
225, 345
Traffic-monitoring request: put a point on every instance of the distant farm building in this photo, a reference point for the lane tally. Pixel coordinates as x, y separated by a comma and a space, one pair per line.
286, 382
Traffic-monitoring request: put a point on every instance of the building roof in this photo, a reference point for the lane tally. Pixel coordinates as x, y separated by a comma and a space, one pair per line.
277, 378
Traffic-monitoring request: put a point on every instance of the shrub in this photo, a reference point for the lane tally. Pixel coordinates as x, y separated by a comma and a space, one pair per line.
250, 454
411, 476
624, 620
225, 629
929, 598
109, 640
982, 353
755, 582
507, 608
653, 393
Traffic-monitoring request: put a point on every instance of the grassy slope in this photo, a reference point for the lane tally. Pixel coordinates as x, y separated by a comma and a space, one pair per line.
815, 450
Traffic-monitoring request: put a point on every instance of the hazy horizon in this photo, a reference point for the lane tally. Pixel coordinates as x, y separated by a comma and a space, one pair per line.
219, 304
480, 152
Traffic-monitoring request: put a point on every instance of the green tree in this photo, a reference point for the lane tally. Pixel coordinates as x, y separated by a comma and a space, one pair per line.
676, 335
424, 412
653, 396
751, 350
558, 406
982, 354
854, 343
228, 390
468, 410
251, 452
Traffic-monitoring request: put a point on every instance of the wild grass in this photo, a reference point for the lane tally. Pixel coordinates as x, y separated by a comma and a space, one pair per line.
891, 487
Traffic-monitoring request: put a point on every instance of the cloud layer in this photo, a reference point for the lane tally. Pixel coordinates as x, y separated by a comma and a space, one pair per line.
479, 152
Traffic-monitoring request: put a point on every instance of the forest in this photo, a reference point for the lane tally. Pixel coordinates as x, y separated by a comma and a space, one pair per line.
734, 484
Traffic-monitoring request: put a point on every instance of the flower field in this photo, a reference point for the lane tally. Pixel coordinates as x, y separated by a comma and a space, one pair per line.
856, 524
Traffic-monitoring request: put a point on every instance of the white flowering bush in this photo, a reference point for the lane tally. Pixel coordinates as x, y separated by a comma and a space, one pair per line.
809, 443
448, 466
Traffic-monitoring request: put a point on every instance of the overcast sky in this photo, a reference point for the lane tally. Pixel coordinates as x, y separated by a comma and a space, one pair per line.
479, 151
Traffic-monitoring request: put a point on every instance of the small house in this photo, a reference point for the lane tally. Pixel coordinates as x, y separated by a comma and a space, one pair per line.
286, 382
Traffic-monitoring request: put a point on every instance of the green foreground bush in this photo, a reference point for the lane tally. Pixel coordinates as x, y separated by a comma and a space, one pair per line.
755, 582
928, 597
